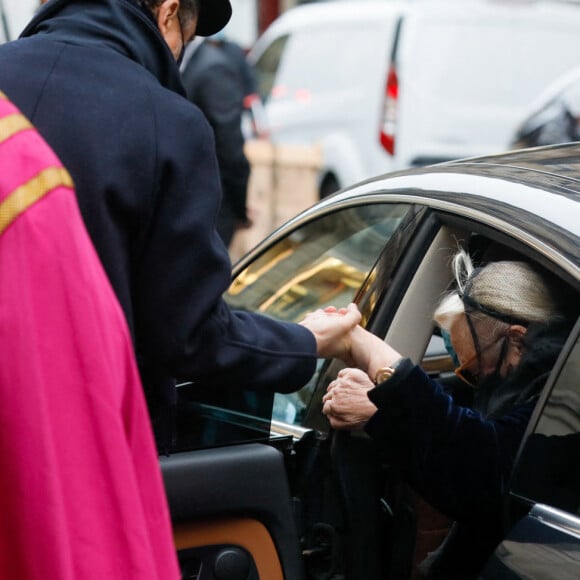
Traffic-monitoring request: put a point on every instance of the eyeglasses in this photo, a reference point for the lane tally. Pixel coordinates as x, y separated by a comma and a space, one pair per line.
463, 372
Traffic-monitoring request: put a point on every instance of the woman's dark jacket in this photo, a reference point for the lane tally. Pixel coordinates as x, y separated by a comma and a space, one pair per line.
457, 459
101, 86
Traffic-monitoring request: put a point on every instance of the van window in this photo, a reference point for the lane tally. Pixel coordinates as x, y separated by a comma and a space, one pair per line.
267, 66
318, 60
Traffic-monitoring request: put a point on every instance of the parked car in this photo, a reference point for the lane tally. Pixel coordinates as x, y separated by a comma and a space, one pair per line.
383, 86
554, 117
263, 484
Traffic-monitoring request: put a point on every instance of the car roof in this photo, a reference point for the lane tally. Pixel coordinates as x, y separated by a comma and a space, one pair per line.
562, 160
530, 194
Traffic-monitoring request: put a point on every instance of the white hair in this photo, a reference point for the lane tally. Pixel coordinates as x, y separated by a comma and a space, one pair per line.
507, 290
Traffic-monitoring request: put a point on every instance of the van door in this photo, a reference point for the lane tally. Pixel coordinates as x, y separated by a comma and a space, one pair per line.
468, 76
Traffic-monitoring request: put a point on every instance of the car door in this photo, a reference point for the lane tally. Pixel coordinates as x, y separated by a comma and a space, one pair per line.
544, 503
258, 482
380, 519
239, 478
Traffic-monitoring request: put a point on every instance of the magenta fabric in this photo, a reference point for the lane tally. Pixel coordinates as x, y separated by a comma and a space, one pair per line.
81, 494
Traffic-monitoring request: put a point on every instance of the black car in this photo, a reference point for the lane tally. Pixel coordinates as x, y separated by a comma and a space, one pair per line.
554, 117
261, 487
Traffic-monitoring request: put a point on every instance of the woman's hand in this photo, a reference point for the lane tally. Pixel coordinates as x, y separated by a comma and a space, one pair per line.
338, 335
369, 352
332, 329
346, 403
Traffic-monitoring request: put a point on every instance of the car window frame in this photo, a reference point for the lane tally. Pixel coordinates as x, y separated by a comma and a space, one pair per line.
572, 344
410, 219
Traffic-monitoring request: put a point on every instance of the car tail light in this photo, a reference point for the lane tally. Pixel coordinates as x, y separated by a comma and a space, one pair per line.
389, 120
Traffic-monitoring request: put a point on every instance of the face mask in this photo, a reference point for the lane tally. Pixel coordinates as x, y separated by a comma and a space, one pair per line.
449, 347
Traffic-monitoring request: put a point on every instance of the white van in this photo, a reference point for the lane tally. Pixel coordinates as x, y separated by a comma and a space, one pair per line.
388, 85
14, 14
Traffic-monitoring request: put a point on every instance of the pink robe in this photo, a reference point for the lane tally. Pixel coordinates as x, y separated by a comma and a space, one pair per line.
81, 494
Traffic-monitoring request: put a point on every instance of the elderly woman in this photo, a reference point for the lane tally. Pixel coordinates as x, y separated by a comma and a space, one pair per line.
505, 329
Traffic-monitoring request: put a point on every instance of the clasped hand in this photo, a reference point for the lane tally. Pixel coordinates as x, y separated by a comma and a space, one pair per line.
338, 335
332, 329
346, 403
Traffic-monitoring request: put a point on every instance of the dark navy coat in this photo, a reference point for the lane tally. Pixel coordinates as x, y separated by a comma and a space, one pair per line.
458, 459
101, 86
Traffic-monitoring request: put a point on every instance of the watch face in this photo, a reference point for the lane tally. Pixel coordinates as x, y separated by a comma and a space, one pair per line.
384, 374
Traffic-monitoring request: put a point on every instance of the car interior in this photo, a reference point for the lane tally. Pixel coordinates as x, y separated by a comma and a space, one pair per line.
256, 493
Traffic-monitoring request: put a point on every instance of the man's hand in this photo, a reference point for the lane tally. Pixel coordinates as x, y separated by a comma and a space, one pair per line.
332, 328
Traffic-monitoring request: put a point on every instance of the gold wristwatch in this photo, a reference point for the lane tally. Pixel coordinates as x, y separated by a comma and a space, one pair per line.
385, 373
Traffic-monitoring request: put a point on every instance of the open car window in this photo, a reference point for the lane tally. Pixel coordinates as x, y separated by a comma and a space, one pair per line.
326, 262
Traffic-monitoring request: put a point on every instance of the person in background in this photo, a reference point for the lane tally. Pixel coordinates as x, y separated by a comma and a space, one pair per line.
237, 56
254, 122
215, 86
103, 87
81, 494
506, 327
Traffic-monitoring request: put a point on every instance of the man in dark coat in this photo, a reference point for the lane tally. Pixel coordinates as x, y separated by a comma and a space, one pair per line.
214, 85
254, 117
99, 80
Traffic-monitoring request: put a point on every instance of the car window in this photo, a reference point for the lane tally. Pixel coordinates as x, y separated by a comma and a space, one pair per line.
548, 471
322, 263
